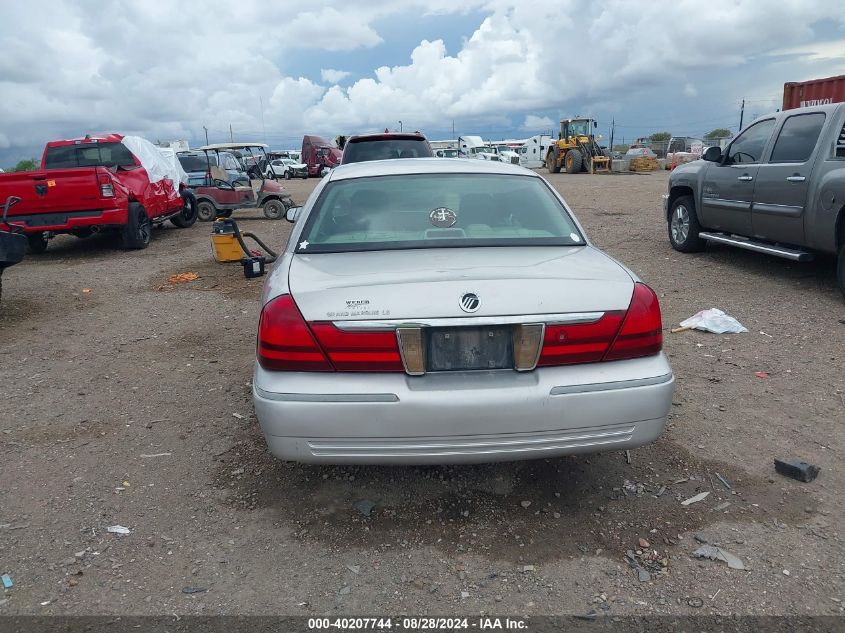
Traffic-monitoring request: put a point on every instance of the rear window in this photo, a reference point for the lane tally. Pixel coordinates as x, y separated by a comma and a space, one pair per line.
88, 155
436, 211
197, 163
385, 149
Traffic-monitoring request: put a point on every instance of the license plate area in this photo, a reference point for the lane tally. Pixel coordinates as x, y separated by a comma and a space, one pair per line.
469, 348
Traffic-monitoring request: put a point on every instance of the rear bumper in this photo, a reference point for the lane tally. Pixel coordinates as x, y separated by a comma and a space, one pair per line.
64, 221
463, 417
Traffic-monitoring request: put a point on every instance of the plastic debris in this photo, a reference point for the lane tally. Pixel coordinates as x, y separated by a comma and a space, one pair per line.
156, 455
86, 291
238, 416
717, 553
118, 529
761, 374
182, 278
713, 320
364, 506
7, 581
724, 481
797, 469
699, 497
194, 589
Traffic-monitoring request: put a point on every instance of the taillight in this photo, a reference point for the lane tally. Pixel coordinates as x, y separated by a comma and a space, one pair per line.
284, 341
287, 343
580, 342
106, 187
618, 335
359, 351
642, 330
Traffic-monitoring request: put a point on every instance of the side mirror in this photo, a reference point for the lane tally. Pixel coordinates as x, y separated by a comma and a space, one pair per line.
595, 123
292, 214
712, 154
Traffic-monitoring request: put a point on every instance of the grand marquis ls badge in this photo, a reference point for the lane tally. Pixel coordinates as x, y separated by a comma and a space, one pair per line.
470, 302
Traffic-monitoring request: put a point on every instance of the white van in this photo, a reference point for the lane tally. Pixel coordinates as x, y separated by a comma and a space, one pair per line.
533, 153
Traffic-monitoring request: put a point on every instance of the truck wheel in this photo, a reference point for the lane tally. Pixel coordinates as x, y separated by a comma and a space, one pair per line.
573, 161
188, 216
206, 211
551, 163
37, 242
138, 229
684, 226
273, 209
840, 268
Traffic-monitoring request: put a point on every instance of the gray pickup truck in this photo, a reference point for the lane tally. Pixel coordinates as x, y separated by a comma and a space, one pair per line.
778, 188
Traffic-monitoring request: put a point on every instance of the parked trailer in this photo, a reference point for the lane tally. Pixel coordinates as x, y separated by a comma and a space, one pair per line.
803, 94
532, 154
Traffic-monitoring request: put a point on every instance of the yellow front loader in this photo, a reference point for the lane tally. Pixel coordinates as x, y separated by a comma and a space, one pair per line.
576, 149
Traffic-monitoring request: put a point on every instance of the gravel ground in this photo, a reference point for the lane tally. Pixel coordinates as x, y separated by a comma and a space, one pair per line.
126, 401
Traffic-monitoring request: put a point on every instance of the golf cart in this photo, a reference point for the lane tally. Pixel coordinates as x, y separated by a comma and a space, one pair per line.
12, 243
219, 195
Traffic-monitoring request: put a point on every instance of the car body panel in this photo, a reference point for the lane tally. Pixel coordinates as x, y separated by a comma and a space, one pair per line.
463, 416
426, 283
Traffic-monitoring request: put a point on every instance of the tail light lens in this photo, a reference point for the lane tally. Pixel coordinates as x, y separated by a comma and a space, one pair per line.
106, 186
359, 351
618, 335
642, 330
284, 341
579, 343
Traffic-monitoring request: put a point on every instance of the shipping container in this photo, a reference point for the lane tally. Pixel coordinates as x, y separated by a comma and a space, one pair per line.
801, 94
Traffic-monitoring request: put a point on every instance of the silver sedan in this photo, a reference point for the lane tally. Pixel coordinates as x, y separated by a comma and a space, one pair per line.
430, 311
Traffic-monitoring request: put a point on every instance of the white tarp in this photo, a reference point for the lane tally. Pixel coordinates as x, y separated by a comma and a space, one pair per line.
153, 160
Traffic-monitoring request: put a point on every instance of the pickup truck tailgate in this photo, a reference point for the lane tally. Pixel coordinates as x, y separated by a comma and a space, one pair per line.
56, 194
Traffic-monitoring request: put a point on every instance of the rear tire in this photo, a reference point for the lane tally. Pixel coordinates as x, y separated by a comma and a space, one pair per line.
273, 209
206, 211
37, 242
138, 230
840, 269
188, 216
551, 163
684, 226
573, 161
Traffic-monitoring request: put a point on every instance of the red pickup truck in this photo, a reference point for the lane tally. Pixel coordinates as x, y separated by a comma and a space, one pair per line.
99, 183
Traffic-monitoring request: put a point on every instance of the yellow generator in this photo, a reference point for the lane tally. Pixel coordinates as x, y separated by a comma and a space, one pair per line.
228, 245
576, 149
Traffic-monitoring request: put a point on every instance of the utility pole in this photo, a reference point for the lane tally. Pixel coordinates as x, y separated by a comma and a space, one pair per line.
263, 129
453, 128
741, 113
206, 134
612, 128
231, 137
400, 126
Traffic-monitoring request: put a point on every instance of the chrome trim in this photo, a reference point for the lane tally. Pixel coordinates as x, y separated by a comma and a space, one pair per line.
745, 178
526, 319
758, 247
796, 178
326, 397
611, 386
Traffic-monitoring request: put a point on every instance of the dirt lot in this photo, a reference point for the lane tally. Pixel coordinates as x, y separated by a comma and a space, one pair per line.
126, 401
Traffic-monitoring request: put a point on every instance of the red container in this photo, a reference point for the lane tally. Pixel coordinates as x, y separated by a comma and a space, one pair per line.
801, 94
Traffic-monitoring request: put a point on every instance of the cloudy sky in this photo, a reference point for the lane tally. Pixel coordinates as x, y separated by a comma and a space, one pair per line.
275, 69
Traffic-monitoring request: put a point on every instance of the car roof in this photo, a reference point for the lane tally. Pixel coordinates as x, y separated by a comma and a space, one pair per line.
401, 166
214, 146
386, 136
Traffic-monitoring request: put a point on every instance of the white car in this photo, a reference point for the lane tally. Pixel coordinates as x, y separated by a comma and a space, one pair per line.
441, 311
287, 168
